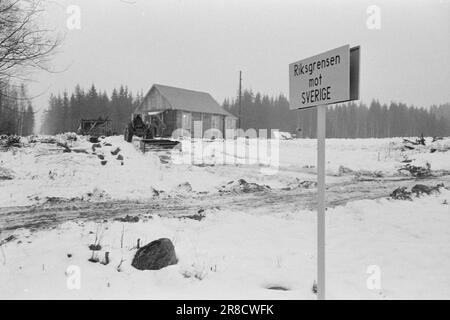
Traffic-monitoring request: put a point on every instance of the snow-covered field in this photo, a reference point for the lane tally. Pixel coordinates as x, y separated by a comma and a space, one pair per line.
42, 170
230, 253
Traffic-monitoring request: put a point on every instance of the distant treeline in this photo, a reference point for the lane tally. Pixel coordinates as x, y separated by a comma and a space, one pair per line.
349, 120
65, 112
16, 110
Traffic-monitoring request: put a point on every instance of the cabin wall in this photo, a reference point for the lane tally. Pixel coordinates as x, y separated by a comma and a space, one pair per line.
185, 120
153, 101
178, 119
169, 118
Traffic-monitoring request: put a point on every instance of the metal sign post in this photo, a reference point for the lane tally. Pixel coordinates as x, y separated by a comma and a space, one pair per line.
321, 131
318, 81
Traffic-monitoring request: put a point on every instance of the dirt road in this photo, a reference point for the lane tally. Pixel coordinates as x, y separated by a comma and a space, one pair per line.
49, 215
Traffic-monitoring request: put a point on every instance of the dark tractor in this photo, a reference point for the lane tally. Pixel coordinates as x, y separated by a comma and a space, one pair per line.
151, 133
137, 127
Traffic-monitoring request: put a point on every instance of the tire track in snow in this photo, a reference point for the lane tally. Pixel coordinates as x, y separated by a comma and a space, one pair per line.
52, 214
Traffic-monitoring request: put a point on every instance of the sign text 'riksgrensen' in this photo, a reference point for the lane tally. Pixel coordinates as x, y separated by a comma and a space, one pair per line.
320, 80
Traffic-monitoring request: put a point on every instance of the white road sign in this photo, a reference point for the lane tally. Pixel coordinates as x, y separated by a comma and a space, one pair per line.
320, 80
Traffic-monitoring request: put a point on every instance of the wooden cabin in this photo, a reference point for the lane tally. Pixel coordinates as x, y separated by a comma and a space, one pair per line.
179, 108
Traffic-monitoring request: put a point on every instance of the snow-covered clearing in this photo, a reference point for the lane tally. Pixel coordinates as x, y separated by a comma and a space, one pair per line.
43, 171
239, 255
243, 244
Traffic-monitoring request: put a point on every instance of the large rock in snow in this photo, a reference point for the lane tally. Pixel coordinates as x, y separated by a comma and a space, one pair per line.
155, 255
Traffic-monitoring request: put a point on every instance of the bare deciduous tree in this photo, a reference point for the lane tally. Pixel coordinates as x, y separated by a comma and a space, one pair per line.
24, 43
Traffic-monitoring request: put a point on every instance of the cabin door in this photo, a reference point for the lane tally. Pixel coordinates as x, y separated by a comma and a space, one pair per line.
186, 123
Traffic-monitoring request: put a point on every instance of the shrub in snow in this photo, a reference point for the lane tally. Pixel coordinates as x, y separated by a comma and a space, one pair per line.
6, 174
184, 188
420, 189
197, 216
344, 170
96, 195
417, 171
401, 193
128, 218
242, 186
155, 255
196, 271
69, 136
10, 141
155, 192
306, 184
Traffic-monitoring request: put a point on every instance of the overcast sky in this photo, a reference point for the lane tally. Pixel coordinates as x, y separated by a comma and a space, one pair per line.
202, 45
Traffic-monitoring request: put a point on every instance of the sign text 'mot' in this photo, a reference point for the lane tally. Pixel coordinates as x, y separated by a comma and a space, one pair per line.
320, 80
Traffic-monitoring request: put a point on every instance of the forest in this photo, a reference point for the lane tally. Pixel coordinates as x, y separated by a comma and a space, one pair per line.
258, 111
348, 120
65, 110
16, 110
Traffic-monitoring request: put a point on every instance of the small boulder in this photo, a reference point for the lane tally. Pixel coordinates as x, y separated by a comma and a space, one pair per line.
120, 157
155, 255
115, 152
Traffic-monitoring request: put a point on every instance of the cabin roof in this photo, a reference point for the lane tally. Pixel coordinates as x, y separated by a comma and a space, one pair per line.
190, 100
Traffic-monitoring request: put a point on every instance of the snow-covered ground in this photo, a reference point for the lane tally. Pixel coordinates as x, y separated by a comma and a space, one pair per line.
42, 170
239, 255
230, 253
